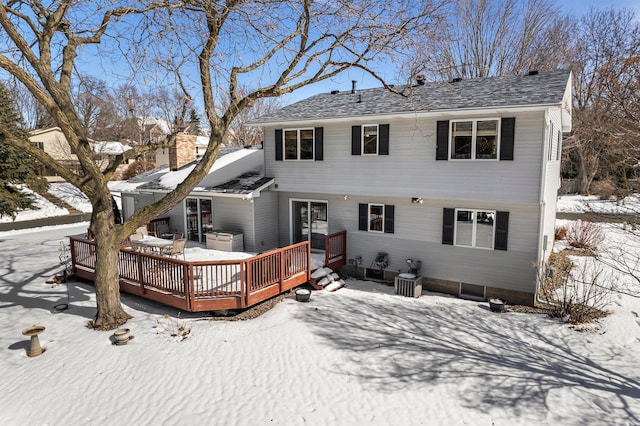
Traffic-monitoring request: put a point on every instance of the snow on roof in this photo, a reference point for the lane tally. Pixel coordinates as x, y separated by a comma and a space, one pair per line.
202, 141
231, 163
151, 121
111, 148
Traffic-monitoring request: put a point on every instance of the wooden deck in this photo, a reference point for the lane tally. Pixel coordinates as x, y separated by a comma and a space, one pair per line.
210, 285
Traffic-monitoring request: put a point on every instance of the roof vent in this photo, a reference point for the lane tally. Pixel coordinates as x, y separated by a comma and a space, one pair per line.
335, 92
533, 72
359, 98
420, 79
353, 86
456, 80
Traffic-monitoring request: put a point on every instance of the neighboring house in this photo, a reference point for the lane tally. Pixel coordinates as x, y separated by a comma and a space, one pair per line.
54, 143
234, 196
461, 175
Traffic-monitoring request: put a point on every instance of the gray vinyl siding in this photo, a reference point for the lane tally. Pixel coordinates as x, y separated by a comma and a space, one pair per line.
265, 214
410, 169
418, 235
235, 215
551, 184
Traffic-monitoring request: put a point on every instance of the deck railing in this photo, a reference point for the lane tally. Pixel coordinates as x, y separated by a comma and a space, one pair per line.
202, 285
335, 254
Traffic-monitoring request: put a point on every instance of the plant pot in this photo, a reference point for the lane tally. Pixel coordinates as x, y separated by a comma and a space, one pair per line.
121, 336
497, 305
303, 295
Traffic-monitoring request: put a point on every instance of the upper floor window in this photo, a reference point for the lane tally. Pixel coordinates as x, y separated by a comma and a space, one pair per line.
474, 139
479, 139
39, 145
370, 139
298, 144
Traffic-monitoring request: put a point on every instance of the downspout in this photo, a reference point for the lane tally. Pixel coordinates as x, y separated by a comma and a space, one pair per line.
542, 203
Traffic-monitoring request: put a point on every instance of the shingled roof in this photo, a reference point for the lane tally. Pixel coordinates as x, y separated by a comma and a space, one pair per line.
543, 88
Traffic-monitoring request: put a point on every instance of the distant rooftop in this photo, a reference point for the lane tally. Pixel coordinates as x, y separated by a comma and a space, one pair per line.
543, 88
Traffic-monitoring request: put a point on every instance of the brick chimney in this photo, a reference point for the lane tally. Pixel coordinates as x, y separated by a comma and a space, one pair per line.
183, 151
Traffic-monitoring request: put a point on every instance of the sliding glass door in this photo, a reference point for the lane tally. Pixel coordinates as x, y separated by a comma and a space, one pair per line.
198, 218
309, 222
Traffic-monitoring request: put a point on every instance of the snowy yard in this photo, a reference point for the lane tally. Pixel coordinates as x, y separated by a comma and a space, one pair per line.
360, 355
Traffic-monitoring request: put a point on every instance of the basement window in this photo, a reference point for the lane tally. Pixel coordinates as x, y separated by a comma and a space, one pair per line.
471, 291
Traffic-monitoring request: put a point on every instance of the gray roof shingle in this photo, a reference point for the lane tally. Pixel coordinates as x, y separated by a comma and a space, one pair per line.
544, 88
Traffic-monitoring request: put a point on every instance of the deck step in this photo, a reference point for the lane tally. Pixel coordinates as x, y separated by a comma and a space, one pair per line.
314, 284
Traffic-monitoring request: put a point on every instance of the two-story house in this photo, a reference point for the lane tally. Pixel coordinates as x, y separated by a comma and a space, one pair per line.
461, 175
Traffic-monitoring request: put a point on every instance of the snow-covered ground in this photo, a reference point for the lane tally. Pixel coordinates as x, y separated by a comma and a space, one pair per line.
71, 195
44, 208
591, 203
360, 355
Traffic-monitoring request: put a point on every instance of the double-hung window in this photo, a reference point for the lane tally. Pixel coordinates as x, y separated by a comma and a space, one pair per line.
475, 139
475, 228
370, 139
298, 144
375, 217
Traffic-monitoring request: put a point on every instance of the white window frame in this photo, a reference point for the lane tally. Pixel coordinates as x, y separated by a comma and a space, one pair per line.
474, 132
369, 205
377, 126
298, 151
474, 228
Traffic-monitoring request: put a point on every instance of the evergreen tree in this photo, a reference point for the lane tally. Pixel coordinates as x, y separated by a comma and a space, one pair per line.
16, 167
194, 120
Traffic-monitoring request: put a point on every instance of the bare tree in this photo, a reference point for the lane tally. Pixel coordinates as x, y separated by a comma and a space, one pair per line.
279, 46
606, 67
239, 133
483, 38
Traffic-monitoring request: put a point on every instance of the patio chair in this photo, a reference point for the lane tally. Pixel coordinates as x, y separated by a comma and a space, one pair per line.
175, 249
162, 230
140, 233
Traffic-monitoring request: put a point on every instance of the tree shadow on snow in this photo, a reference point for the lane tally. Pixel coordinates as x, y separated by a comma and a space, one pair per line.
493, 360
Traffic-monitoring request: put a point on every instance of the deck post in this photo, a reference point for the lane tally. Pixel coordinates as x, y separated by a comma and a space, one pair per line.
308, 267
73, 255
141, 280
246, 284
282, 270
187, 278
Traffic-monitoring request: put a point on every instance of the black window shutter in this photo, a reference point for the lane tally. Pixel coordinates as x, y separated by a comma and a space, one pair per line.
507, 138
363, 214
502, 230
319, 131
442, 140
448, 218
384, 139
389, 219
278, 144
355, 140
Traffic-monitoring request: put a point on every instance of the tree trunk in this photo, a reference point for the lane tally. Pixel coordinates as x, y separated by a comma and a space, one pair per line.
110, 312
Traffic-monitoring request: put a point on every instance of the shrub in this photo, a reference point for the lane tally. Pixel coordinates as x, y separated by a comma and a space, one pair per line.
603, 189
560, 233
585, 235
576, 293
